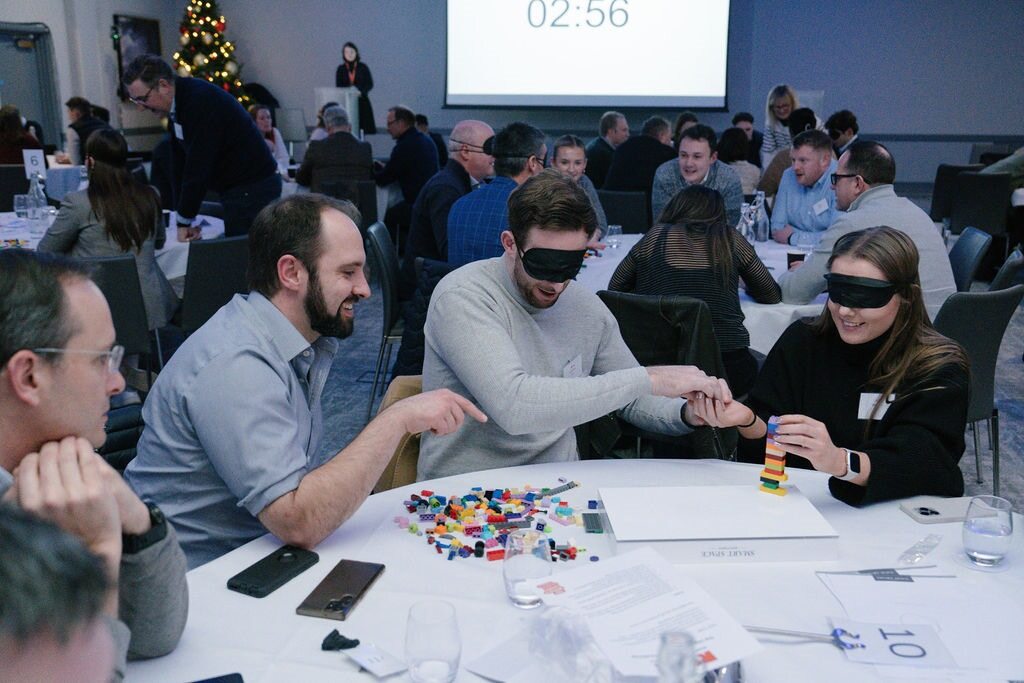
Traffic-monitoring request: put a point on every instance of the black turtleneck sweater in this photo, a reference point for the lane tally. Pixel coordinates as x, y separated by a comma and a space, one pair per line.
914, 448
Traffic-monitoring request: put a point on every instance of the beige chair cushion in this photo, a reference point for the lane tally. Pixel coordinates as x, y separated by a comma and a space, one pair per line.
401, 470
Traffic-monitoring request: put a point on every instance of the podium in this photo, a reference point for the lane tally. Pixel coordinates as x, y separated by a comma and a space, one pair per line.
346, 97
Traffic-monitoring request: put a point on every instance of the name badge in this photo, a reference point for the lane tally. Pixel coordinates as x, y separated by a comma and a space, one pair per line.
820, 207
178, 132
573, 368
867, 404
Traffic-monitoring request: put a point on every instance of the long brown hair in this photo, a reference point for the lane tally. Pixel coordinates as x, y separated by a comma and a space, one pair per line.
913, 350
254, 111
11, 130
699, 210
126, 208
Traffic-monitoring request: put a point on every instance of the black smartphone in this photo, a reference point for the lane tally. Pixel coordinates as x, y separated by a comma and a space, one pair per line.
227, 678
273, 571
340, 591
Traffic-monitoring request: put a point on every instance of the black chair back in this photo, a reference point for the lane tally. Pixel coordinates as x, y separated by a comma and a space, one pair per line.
981, 200
966, 255
367, 192
386, 259
1009, 272
631, 210
215, 272
942, 191
118, 279
215, 209
12, 182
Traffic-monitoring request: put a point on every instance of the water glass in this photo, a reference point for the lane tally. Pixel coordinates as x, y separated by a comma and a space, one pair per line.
613, 236
527, 561
988, 530
432, 642
677, 659
21, 204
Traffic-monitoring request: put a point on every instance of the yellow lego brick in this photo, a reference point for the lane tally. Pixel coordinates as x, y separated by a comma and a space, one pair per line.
773, 476
778, 492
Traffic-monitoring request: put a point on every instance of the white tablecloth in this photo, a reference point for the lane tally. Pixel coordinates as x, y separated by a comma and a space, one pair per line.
764, 322
172, 259
265, 640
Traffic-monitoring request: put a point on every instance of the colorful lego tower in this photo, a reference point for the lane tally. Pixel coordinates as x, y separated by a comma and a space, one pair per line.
774, 472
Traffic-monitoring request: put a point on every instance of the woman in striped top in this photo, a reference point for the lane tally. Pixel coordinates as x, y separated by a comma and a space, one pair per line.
782, 102
692, 251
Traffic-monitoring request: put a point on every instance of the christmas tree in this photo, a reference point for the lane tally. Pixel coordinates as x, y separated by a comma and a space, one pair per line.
205, 53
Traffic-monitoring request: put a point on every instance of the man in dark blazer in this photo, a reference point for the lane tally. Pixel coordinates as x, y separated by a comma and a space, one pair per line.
467, 166
413, 161
339, 156
223, 150
636, 159
614, 130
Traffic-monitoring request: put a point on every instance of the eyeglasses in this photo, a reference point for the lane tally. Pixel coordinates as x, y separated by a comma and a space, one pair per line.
836, 176
391, 122
471, 147
114, 356
142, 99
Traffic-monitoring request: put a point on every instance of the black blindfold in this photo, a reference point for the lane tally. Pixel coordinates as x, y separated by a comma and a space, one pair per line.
552, 265
859, 292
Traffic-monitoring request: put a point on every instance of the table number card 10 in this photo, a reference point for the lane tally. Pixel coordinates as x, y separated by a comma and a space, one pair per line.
914, 645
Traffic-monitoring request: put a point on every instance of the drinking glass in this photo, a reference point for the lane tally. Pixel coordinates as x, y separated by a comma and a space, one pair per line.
613, 236
432, 642
677, 659
988, 530
21, 202
527, 560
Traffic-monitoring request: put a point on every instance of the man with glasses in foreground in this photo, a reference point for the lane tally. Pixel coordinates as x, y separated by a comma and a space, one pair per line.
536, 352
476, 221
468, 165
58, 370
863, 184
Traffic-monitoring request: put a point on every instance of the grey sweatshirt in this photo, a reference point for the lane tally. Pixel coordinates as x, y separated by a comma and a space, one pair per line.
535, 372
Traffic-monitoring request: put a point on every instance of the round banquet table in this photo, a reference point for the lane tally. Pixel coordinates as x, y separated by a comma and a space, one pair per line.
264, 640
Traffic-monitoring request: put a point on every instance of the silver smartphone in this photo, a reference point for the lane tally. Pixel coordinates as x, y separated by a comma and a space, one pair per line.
936, 510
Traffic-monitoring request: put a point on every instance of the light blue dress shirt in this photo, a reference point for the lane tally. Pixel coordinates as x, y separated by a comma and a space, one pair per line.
811, 209
232, 423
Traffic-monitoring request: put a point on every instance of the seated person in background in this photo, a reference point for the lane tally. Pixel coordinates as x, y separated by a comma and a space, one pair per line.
116, 215
613, 130
781, 103
53, 592
536, 352
569, 157
693, 251
476, 221
467, 166
13, 136
83, 124
412, 163
339, 156
697, 164
744, 120
58, 370
869, 392
260, 113
732, 151
806, 200
231, 448
1013, 164
423, 126
320, 132
637, 159
683, 121
842, 128
799, 121
864, 191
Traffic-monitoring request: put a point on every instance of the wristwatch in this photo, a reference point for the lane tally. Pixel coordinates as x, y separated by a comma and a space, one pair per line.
132, 543
852, 465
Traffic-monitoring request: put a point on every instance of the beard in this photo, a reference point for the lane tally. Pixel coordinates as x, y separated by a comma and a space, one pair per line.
322, 320
527, 287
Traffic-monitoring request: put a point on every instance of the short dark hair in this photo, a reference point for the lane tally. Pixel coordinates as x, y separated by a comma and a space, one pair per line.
701, 132
289, 226
421, 120
609, 120
403, 114
149, 69
552, 202
743, 116
655, 126
513, 146
734, 146
800, 120
50, 584
34, 309
566, 141
872, 161
842, 120
79, 104
815, 139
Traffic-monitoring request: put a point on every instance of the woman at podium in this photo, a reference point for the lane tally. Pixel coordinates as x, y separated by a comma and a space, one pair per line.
352, 72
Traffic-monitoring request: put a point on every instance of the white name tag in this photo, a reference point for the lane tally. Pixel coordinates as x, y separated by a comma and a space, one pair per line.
178, 132
820, 207
573, 368
867, 404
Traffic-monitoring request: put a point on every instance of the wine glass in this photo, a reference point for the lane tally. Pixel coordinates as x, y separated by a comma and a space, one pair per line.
432, 642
